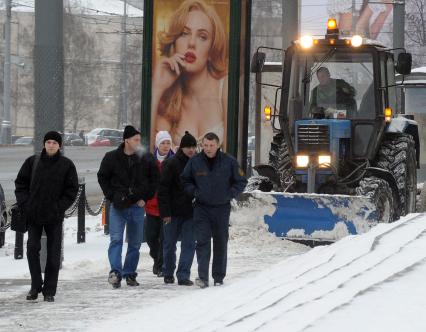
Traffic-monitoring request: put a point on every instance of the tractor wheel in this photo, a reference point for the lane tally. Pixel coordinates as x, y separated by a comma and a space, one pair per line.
258, 182
398, 155
381, 195
3, 222
280, 159
422, 200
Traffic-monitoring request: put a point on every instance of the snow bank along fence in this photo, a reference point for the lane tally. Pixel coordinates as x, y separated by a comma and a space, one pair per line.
81, 205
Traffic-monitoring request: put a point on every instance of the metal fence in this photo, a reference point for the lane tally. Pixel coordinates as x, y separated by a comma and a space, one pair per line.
80, 206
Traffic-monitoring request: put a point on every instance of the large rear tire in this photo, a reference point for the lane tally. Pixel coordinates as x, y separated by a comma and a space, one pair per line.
398, 155
381, 195
280, 159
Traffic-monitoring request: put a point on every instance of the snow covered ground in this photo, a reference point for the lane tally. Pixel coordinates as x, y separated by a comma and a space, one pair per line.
85, 298
370, 282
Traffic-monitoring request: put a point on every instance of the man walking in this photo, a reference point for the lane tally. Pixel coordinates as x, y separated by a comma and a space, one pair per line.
45, 193
128, 180
213, 178
176, 212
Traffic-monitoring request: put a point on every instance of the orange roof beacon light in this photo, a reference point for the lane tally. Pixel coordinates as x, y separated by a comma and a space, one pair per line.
331, 23
388, 114
332, 29
268, 113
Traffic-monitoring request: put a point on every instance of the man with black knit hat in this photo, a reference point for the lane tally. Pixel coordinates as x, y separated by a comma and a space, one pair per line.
128, 179
46, 186
176, 212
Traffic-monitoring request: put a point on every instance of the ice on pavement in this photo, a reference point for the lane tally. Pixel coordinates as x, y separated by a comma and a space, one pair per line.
369, 282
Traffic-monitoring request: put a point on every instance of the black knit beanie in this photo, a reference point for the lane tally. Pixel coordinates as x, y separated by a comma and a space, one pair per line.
188, 141
130, 131
53, 135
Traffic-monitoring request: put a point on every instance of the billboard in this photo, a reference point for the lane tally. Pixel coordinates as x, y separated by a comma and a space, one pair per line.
372, 20
190, 68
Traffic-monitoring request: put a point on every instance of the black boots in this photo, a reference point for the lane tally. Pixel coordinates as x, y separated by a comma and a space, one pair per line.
169, 280
185, 282
33, 294
131, 281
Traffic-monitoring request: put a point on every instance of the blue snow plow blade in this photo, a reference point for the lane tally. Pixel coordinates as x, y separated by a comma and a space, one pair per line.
317, 217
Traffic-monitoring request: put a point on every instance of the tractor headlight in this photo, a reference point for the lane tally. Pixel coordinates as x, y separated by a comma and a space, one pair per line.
324, 161
306, 41
356, 41
302, 161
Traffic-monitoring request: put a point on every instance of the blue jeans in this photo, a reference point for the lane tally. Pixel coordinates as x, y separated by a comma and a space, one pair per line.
183, 227
133, 218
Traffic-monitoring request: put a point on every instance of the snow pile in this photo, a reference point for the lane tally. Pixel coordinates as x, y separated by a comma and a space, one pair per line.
80, 260
353, 285
249, 231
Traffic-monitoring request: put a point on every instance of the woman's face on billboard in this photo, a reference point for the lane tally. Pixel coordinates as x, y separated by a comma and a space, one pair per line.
195, 41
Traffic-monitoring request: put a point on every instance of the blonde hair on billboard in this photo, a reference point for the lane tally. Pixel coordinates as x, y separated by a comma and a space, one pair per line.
171, 103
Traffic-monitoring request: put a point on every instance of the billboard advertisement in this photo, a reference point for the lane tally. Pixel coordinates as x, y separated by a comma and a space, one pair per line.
190, 68
370, 19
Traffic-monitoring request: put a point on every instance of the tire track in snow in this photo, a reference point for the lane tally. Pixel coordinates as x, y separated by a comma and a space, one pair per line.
376, 242
372, 287
337, 288
247, 297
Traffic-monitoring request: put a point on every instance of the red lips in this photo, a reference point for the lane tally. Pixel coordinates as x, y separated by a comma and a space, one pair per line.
190, 57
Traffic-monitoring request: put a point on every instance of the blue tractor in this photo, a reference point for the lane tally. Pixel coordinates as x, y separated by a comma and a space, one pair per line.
342, 158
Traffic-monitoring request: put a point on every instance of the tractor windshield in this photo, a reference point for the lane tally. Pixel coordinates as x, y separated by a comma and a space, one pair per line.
332, 84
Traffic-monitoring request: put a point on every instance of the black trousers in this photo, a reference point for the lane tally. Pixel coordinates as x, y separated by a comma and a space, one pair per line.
154, 238
212, 222
54, 243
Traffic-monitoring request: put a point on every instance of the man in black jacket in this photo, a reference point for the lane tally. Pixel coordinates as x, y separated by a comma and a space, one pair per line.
213, 178
128, 179
45, 198
176, 212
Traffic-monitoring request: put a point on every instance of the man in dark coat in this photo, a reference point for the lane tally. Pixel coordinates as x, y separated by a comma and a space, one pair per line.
332, 93
128, 179
45, 198
213, 178
176, 212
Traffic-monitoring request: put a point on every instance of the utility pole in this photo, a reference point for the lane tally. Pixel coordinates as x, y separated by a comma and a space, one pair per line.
48, 69
123, 61
398, 24
6, 123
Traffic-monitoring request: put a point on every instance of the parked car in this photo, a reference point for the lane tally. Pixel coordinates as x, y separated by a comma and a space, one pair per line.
72, 139
26, 140
101, 136
3, 215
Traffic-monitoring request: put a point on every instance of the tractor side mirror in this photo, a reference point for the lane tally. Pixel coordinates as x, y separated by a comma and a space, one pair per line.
403, 65
257, 62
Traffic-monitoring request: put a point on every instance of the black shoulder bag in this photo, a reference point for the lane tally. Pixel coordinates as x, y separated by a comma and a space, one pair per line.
19, 221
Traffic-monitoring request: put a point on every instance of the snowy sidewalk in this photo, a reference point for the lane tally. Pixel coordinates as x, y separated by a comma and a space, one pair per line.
84, 297
372, 282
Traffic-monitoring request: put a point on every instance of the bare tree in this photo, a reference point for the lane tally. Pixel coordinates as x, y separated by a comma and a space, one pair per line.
81, 72
415, 31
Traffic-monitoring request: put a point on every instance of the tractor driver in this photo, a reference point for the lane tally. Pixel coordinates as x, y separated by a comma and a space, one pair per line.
332, 93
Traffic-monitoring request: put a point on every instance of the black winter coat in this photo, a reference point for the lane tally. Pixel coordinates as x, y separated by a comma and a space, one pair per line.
172, 199
127, 179
216, 186
55, 188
